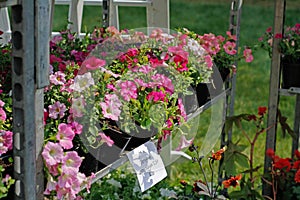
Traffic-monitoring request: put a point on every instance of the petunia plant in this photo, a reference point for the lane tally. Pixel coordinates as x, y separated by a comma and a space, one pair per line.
137, 82
222, 49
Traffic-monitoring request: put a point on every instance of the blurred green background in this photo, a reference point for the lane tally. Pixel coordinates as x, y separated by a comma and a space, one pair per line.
212, 16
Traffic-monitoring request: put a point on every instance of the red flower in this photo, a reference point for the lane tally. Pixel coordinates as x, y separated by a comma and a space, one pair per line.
296, 165
282, 163
269, 29
1, 32
232, 181
297, 176
297, 154
218, 154
262, 110
270, 153
278, 35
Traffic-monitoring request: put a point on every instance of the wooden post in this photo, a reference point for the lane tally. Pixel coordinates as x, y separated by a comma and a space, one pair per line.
274, 90
296, 142
75, 15
158, 14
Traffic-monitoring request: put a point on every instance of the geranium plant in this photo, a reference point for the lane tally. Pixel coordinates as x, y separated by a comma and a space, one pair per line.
284, 176
289, 44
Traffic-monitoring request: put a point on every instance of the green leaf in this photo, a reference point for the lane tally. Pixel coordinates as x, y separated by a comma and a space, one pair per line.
242, 160
94, 131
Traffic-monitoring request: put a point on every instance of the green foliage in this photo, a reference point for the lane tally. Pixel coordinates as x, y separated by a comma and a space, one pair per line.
235, 158
123, 185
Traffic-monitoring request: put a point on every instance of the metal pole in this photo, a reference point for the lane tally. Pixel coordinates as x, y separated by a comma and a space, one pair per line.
23, 97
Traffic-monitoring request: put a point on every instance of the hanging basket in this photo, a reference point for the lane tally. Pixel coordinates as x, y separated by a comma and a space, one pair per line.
290, 75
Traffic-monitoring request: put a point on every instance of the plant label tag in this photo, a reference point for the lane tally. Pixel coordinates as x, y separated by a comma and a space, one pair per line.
148, 165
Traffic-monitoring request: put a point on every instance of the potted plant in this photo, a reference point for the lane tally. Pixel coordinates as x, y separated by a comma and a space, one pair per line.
289, 48
140, 83
224, 54
149, 76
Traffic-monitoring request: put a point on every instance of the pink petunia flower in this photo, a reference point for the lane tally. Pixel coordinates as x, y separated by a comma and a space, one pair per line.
51, 185
106, 139
229, 48
111, 107
209, 61
93, 63
76, 127
1, 103
248, 55
65, 136
71, 162
184, 143
78, 106
57, 109
161, 80
58, 78
2, 114
128, 90
52, 153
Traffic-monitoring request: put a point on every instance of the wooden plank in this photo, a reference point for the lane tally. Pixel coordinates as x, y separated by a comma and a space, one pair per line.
8, 3
42, 42
158, 14
42, 38
273, 90
75, 15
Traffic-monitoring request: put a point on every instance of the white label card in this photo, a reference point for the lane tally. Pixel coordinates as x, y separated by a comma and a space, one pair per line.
148, 165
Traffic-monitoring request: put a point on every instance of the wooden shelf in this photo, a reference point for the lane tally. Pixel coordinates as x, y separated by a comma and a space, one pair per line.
8, 3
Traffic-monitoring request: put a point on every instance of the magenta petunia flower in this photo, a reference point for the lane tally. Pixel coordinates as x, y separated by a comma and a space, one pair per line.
156, 96
57, 109
65, 136
181, 109
52, 153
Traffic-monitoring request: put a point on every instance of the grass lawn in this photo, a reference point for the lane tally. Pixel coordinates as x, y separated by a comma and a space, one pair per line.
213, 16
